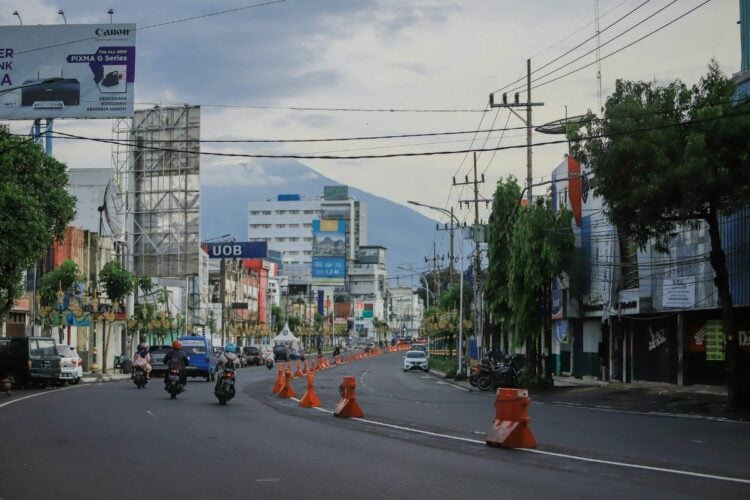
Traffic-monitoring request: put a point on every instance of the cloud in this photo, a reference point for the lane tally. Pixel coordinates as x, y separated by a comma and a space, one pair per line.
250, 174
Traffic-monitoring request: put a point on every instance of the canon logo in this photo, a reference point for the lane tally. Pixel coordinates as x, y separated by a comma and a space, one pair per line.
112, 32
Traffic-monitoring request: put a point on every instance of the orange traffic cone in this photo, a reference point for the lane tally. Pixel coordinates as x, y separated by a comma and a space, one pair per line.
304, 368
298, 373
310, 399
287, 391
279, 380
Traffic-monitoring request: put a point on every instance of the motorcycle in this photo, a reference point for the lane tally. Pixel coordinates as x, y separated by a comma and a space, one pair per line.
269, 360
139, 378
504, 374
484, 367
174, 384
224, 389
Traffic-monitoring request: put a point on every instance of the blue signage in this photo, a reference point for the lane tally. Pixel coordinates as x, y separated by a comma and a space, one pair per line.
332, 267
237, 250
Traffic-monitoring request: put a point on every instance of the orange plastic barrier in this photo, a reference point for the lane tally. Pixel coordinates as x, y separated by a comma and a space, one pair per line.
511, 426
310, 399
348, 406
299, 373
279, 380
287, 391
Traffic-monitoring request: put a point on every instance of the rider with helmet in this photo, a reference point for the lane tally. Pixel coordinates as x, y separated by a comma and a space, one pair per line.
229, 355
142, 359
176, 358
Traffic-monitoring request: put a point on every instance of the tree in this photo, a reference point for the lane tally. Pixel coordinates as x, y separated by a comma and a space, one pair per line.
668, 156
118, 283
63, 277
541, 248
505, 203
35, 208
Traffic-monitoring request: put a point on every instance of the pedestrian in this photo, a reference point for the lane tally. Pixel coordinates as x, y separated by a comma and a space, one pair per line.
336, 352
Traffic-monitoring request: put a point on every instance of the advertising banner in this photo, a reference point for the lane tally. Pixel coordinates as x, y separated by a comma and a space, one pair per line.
329, 252
67, 71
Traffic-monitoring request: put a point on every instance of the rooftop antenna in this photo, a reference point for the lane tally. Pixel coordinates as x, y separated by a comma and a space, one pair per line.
15, 13
60, 12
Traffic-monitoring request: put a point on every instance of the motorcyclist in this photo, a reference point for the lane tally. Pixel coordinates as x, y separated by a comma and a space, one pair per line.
227, 358
142, 359
176, 358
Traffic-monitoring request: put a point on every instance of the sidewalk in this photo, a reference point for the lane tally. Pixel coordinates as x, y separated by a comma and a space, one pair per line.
643, 397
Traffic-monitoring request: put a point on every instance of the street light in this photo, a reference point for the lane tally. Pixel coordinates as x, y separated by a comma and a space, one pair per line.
426, 284
15, 13
60, 12
461, 281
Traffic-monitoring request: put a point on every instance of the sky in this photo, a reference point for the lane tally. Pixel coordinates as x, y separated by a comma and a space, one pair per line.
249, 68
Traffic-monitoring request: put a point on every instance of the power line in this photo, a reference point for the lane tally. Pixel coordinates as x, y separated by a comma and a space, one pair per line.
618, 50
158, 25
574, 48
399, 155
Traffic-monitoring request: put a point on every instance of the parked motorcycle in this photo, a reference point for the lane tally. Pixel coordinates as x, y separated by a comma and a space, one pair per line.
174, 384
504, 374
224, 389
139, 378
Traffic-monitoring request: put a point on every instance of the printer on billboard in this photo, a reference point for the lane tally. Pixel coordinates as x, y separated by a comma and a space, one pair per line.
50, 90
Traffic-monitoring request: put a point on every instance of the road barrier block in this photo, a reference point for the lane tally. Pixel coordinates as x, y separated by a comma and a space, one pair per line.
510, 429
348, 406
310, 399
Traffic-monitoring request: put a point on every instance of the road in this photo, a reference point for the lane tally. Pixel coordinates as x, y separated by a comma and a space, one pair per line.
421, 438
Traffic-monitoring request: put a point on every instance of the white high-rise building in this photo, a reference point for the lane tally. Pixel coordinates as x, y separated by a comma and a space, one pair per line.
286, 224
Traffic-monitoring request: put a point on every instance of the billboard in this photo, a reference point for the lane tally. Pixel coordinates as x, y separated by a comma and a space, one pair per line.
329, 252
67, 71
237, 250
335, 193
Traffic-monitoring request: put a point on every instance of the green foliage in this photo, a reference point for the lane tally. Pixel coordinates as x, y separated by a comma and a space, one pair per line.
667, 155
35, 208
278, 315
541, 247
294, 322
63, 276
145, 284
450, 299
117, 281
505, 205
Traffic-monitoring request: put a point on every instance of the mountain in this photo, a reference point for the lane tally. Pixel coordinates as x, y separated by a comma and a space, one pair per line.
226, 191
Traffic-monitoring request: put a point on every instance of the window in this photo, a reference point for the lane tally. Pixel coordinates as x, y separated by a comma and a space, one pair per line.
307, 224
254, 212
293, 239
293, 212
266, 212
280, 212
293, 225
280, 226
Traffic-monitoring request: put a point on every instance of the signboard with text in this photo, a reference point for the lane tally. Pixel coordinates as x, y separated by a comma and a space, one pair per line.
329, 252
67, 71
678, 292
237, 250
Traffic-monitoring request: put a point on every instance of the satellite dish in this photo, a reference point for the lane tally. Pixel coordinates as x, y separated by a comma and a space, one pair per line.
112, 208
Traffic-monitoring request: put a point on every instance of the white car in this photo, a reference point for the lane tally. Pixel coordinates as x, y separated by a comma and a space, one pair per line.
416, 360
71, 365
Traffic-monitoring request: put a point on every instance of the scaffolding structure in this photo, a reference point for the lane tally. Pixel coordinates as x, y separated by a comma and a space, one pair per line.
164, 191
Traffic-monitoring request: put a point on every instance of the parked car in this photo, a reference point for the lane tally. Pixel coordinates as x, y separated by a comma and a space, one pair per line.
71, 364
24, 360
252, 355
202, 362
416, 360
157, 353
280, 352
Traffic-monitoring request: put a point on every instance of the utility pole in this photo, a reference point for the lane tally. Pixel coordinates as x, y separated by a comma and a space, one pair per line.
451, 256
477, 258
527, 121
435, 266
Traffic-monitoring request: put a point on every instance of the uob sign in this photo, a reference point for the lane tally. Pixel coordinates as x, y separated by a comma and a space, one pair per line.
237, 250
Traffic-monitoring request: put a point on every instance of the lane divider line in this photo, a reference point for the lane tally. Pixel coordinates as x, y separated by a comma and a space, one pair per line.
16, 400
553, 454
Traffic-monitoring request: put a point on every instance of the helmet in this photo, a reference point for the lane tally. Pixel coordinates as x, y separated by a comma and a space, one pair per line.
142, 346
230, 347
176, 345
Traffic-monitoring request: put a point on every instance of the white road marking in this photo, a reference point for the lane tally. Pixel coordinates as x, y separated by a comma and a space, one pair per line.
648, 413
267, 480
13, 401
552, 454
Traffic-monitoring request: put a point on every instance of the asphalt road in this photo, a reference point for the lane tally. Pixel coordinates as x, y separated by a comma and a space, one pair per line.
421, 438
